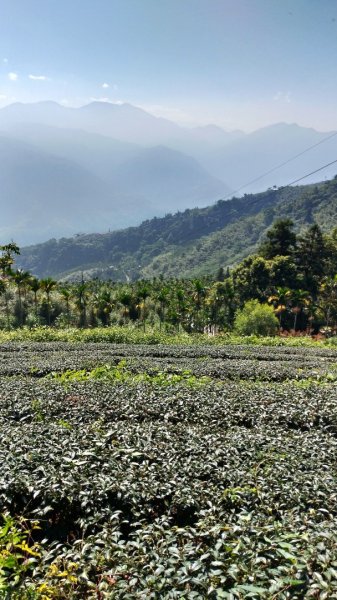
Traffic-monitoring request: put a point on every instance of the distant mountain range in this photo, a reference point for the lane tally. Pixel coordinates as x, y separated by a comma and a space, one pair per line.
107, 166
186, 244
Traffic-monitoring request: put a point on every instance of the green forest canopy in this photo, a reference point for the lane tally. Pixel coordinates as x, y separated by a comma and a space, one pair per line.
295, 274
189, 244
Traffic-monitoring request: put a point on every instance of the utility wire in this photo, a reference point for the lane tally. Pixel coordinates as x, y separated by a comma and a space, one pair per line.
312, 172
329, 137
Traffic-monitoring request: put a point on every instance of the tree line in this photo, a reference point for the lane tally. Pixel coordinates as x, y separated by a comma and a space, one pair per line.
293, 277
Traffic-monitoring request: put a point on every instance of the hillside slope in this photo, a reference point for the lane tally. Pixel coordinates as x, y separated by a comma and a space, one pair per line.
184, 244
68, 166
111, 166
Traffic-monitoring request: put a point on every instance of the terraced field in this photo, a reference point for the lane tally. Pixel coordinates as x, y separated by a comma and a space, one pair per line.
168, 472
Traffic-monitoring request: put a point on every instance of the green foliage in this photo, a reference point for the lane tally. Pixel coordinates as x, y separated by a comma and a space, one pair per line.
255, 319
280, 240
18, 554
7, 257
303, 265
251, 278
189, 244
148, 489
125, 335
120, 374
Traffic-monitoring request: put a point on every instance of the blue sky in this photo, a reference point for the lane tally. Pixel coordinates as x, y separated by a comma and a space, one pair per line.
237, 63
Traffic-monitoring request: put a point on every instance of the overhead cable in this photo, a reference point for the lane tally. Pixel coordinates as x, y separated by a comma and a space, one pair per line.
329, 137
312, 172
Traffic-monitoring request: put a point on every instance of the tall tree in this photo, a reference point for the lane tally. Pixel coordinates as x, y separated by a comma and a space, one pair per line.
125, 299
34, 285
21, 279
311, 255
80, 293
47, 285
327, 299
66, 295
163, 298
7, 257
280, 240
251, 278
143, 292
299, 300
280, 300
103, 305
198, 296
220, 302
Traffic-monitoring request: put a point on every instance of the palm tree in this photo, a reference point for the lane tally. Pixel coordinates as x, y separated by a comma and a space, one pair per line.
143, 292
125, 298
327, 299
103, 304
21, 278
181, 306
162, 298
66, 295
81, 299
220, 302
6, 258
2, 289
280, 301
6, 292
34, 285
47, 285
198, 295
299, 300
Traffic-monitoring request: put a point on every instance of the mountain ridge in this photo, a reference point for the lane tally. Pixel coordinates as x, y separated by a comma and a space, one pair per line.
89, 157
120, 146
189, 243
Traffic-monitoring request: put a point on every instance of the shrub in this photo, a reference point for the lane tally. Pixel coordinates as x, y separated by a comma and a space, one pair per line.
255, 319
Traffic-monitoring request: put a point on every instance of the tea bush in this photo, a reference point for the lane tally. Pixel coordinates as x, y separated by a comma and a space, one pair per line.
168, 471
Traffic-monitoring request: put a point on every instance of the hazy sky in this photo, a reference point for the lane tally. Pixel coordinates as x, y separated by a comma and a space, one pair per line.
238, 63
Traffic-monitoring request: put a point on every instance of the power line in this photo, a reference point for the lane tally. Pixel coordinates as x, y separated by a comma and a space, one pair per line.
329, 137
312, 172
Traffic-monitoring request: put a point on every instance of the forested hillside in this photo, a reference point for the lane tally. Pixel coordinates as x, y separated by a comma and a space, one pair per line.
108, 166
190, 243
290, 283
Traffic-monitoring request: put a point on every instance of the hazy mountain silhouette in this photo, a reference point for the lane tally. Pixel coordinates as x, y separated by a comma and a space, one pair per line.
109, 165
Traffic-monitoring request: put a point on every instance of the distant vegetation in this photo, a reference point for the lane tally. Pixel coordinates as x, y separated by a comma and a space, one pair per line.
293, 275
105, 166
190, 244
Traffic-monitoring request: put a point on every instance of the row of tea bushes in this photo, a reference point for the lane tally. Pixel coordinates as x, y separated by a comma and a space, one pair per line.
227, 489
266, 364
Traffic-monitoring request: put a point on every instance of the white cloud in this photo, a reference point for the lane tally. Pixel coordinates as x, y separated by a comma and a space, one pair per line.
283, 97
2, 97
38, 77
13, 76
114, 87
5, 60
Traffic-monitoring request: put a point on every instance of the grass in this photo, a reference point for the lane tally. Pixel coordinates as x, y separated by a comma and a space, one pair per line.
130, 335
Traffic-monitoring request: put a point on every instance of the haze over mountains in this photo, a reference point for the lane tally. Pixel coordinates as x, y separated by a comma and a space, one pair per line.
108, 166
188, 244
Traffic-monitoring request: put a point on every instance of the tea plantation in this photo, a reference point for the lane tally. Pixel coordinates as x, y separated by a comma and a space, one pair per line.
167, 472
